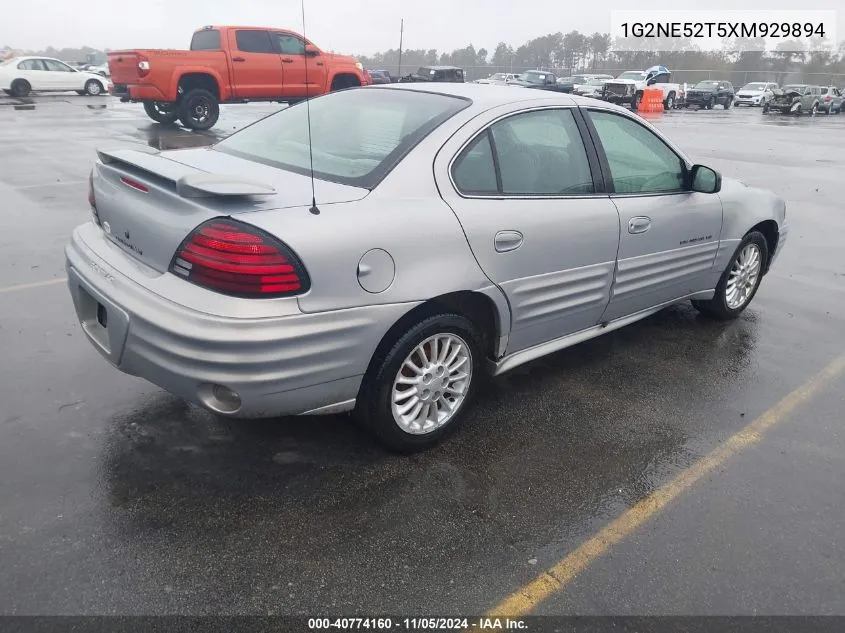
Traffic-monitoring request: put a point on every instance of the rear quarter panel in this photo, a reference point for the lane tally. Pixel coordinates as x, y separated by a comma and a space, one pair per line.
167, 67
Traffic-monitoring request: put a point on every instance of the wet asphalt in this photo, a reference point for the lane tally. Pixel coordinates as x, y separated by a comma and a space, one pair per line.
116, 497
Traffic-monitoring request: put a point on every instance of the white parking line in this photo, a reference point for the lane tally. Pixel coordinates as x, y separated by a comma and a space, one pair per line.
35, 284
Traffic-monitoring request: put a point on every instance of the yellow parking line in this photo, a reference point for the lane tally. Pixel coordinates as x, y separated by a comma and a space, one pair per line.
36, 284
529, 597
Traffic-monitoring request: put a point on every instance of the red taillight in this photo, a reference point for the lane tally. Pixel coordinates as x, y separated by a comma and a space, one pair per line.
827, 99
239, 260
134, 184
143, 66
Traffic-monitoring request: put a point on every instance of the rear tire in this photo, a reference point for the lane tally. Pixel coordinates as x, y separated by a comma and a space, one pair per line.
389, 377
765, 108
93, 88
635, 100
724, 305
20, 88
199, 109
161, 112
669, 104
728, 103
710, 103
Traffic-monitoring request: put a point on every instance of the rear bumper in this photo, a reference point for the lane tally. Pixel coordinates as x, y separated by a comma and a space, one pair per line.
138, 92
286, 365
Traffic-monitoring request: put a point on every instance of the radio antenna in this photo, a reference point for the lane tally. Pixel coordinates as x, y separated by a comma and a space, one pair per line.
313, 208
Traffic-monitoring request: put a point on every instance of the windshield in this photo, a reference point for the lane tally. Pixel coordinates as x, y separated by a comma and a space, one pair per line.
632, 74
425, 72
533, 77
707, 84
357, 136
498, 76
754, 87
795, 87
578, 79
596, 82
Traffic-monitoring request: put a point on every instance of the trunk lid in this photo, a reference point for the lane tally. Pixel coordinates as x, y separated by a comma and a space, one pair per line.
148, 201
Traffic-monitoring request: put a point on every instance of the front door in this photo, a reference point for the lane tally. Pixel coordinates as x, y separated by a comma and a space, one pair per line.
62, 77
300, 69
524, 193
669, 234
256, 67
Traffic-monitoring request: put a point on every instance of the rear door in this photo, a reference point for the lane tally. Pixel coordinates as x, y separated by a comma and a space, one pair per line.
523, 190
256, 68
35, 72
669, 235
300, 67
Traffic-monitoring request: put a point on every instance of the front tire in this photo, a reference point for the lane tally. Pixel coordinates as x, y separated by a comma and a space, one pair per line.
161, 112
728, 103
417, 392
765, 108
635, 101
740, 281
199, 109
93, 88
710, 103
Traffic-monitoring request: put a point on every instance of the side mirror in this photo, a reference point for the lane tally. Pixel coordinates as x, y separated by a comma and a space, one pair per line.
651, 81
311, 50
705, 180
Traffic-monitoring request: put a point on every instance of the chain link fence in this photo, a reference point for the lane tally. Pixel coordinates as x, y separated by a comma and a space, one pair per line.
737, 77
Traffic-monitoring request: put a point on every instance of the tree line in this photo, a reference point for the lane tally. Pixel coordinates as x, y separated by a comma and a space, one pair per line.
578, 52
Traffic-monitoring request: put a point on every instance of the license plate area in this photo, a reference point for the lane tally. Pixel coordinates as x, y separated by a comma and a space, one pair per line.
104, 323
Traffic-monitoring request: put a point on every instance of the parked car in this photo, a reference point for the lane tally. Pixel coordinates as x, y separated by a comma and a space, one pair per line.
591, 88
380, 77
102, 70
438, 74
228, 64
709, 93
795, 99
628, 87
21, 75
830, 100
756, 93
497, 79
582, 80
204, 272
538, 79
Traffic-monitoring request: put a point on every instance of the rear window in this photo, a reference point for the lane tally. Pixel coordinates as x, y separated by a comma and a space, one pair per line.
358, 135
207, 40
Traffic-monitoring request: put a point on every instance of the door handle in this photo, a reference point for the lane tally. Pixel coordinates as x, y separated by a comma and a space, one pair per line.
507, 241
238, 59
287, 60
640, 224
319, 63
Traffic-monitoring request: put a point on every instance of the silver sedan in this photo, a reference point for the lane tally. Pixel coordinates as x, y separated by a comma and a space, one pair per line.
424, 236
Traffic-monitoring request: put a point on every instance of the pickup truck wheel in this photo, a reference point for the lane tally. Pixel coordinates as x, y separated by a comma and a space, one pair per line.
161, 112
670, 101
635, 101
199, 109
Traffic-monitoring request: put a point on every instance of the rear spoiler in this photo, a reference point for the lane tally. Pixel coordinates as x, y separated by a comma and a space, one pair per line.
189, 182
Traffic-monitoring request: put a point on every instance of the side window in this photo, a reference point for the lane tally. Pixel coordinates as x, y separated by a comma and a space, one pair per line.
254, 42
289, 44
56, 67
541, 153
662, 78
31, 64
475, 172
640, 162
824, 91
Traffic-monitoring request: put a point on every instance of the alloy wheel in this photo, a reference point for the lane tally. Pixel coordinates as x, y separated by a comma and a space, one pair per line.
432, 384
743, 276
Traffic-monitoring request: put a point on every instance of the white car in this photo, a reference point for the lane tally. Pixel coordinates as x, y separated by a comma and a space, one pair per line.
498, 79
628, 87
757, 93
21, 75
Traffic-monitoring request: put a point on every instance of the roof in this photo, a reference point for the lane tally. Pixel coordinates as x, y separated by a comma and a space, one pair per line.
440, 67
487, 95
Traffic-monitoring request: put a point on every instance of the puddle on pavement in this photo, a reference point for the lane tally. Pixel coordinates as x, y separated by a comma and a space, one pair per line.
24, 106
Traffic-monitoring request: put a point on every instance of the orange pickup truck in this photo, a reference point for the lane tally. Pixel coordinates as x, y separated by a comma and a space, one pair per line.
228, 64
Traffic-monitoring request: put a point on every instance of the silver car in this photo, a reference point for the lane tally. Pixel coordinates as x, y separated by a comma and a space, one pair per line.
448, 231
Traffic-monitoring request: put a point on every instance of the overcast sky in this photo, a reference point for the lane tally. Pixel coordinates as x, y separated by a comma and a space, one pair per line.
352, 26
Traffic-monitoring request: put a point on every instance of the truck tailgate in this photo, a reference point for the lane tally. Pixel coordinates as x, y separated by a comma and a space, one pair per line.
123, 66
